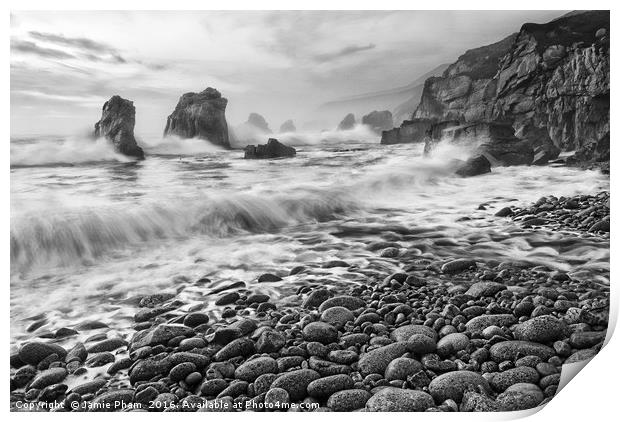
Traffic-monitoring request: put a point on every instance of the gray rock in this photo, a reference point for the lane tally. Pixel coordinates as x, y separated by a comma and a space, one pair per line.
35, 352
118, 118
348, 400
272, 149
452, 385
542, 329
401, 368
457, 266
337, 316
452, 343
277, 399
48, 377
405, 332
511, 350
112, 400
252, 369
520, 397
376, 361
200, 115
160, 335
320, 332
325, 387
485, 289
522, 374
480, 323
89, 387
421, 344
350, 302
390, 399
239, 347
107, 345
296, 382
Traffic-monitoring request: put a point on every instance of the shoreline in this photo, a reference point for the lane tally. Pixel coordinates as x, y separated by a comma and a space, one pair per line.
440, 335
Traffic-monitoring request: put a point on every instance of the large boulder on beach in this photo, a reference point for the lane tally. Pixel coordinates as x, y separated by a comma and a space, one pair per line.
379, 120
200, 115
474, 166
118, 119
347, 123
272, 149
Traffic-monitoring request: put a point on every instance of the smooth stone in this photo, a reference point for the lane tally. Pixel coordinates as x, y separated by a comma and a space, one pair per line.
405, 332
485, 289
90, 387
421, 344
252, 369
542, 329
480, 323
452, 385
350, 302
520, 396
457, 266
48, 377
392, 399
296, 382
376, 361
316, 298
325, 387
107, 345
452, 343
337, 316
112, 400
239, 347
401, 368
512, 349
160, 335
522, 374
320, 332
348, 400
35, 352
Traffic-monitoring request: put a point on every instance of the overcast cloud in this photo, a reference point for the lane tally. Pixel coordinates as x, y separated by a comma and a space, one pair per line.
64, 65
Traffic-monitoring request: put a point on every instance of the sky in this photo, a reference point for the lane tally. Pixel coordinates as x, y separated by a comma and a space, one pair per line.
281, 64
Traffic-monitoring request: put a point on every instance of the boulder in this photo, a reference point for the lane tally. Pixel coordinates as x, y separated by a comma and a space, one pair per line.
453, 385
200, 115
391, 399
273, 149
347, 123
118, 118
474, 166
379, 120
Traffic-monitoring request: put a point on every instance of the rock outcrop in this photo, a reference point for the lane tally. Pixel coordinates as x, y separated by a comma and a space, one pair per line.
473, 166
410, 131
259, 122
551, 82
273, 149
200, 115
379, 120
118, 118
287, 126
347, 123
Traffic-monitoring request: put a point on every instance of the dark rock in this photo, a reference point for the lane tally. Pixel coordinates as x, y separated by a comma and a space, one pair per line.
348, 400
161, 334
542, 329
376, 361
200, 115
457, 266
321, 332
112, 400
347, 123
296, 382
453, 385
273, 149
511, 350
48, 377
392, 399
239, 347
325, 387
350, 302
35, 352
268, 278
118, 118
405, 332
452, 343
402, 368
485, 289
474, 166
480, 323
107, 345
520, 396
252, 369
89, 387
502, 380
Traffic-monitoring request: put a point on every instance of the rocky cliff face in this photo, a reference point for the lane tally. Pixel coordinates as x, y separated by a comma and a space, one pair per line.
118, 118
200, 115
549, 81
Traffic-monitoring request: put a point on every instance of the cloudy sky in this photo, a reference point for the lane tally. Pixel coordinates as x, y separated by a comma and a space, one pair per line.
64, 65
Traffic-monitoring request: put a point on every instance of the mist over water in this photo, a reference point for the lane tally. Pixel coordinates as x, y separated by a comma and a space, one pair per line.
90, 229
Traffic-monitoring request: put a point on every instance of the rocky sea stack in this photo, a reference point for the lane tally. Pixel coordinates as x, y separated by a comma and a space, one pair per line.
348, 122
200, 115
118, 118
259, 122
273, 149
379, 120
550, 82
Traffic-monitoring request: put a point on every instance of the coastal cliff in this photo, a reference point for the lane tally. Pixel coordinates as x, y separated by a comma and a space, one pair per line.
550, 81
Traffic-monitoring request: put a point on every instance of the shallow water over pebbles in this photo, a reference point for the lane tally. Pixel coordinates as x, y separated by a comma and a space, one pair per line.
88, 238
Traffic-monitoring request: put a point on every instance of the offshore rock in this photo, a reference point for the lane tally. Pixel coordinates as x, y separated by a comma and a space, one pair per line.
118, 118
273, 149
